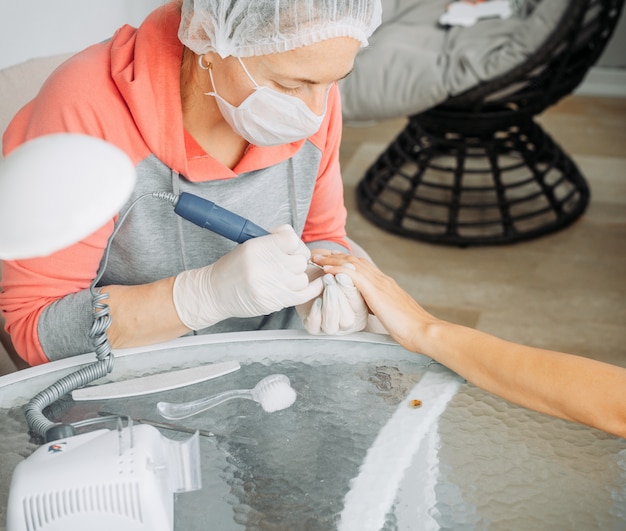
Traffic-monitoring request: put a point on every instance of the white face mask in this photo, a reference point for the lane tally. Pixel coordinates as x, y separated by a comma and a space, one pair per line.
267, 117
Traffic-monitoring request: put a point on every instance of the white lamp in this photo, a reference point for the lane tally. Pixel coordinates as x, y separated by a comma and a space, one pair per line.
57, 189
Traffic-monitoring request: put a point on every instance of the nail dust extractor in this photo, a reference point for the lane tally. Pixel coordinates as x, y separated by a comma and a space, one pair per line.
103, 480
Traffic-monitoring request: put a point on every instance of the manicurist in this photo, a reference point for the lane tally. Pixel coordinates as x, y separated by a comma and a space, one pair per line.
236, 102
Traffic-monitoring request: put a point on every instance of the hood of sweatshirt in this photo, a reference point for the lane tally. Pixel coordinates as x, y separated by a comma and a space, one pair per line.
145, 67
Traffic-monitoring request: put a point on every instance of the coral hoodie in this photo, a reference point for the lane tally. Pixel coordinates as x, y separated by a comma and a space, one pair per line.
126, 91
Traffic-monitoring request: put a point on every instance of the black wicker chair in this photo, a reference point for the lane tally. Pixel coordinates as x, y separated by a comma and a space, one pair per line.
477, 169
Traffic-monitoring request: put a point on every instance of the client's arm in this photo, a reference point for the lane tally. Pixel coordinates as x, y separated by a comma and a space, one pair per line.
563, 385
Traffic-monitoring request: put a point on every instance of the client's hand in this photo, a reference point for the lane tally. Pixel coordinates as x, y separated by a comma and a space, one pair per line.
258, 277
398, 312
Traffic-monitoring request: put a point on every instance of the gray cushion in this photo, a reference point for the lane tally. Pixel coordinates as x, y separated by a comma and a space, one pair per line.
413, 63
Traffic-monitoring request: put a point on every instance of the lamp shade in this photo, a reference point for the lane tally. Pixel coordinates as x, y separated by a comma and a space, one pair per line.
57, 189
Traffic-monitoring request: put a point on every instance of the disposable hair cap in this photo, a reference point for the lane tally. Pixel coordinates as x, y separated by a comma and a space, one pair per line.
242, 28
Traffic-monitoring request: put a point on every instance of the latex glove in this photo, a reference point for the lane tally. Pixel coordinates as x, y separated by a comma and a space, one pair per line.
258, 277
340, 310
314, 273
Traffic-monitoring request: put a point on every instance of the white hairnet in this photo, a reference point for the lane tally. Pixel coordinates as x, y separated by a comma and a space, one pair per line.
258, 27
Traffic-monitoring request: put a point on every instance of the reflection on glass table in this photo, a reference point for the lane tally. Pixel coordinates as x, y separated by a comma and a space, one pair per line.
482, 463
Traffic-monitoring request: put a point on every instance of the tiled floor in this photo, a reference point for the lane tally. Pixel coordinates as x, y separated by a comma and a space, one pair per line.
565, 291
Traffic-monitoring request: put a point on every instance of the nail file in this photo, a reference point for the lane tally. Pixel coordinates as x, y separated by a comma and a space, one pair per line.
155, 382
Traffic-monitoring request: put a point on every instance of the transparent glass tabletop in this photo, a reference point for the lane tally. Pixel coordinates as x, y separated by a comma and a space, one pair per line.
461, 460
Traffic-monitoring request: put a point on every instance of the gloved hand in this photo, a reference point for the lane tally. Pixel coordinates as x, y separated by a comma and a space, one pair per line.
340, 310
314, 273
258, 277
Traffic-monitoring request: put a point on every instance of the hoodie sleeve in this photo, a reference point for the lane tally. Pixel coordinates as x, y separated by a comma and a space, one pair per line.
31, 287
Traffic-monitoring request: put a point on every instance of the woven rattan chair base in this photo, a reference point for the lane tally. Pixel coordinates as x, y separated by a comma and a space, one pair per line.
496, 187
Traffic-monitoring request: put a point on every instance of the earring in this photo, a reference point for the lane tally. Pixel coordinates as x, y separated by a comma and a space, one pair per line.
207, 67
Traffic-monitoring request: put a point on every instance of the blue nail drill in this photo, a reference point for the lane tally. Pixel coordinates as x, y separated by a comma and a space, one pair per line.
208, 215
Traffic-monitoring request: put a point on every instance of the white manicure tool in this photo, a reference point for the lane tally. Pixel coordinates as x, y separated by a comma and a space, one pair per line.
274, 392
155, 382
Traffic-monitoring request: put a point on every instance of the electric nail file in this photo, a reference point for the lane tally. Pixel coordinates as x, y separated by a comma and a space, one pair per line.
208, 215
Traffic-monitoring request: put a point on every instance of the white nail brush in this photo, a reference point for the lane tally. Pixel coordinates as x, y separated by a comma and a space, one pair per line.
273, 392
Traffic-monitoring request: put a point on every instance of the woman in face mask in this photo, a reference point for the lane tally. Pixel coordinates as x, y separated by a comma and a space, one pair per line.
234, 101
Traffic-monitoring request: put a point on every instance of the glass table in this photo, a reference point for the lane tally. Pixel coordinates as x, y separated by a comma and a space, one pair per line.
378, 438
